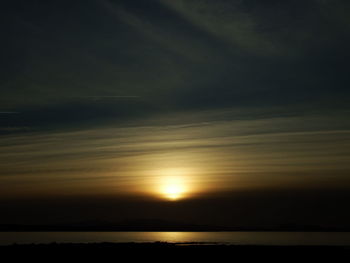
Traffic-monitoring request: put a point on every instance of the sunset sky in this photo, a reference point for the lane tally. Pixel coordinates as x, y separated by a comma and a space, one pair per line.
217, 112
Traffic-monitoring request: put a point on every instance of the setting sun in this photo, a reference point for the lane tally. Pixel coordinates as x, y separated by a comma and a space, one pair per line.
173, 185
173, 191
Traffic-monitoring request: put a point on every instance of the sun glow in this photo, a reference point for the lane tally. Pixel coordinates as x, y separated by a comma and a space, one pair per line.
173, 191
173, 185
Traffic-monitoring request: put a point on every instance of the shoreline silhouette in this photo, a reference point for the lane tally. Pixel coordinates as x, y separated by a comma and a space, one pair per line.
176, 251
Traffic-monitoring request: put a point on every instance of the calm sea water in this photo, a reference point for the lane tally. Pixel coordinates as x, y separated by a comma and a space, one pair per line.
239, 238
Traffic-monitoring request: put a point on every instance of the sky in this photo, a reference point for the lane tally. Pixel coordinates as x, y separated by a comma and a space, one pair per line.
226, 112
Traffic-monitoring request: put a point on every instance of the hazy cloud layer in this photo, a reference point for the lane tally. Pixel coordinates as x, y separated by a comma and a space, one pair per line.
309, 151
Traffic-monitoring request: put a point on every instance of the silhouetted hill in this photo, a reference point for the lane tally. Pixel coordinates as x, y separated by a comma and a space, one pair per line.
160, 225
127, 225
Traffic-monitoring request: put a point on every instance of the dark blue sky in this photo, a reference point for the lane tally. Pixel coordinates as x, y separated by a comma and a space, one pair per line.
119, 59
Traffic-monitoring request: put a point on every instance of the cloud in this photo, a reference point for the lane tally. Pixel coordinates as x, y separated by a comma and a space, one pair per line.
265, 28
174, 55
218, 150
165, 34
225, 20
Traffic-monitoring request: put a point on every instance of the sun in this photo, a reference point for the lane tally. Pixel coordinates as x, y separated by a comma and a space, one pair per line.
172, 184
173, 187
173, 191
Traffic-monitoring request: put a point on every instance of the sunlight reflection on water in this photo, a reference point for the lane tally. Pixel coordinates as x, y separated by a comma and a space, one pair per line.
239, 238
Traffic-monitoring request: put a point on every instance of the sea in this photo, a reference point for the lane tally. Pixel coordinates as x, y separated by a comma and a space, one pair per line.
231, 238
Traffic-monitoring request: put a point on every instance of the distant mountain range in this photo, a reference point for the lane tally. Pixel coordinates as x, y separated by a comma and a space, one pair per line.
157, 225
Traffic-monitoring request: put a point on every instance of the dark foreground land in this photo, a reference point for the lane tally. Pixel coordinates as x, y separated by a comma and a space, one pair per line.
164, 252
